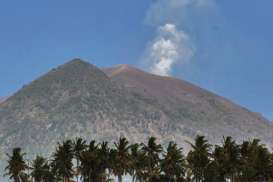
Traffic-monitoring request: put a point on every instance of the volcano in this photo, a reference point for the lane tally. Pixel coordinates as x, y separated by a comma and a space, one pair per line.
78, 99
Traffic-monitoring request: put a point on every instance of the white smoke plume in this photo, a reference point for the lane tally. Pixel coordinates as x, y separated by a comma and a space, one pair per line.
175, 11
171, 45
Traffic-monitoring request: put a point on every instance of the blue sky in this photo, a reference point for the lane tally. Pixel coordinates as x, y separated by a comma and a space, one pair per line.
224, 46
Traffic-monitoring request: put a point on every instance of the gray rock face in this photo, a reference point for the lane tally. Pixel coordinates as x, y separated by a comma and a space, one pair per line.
78, 99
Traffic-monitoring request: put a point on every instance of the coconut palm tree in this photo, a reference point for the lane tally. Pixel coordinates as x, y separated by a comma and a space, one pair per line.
249, 162
247, 170
120, 163
79, 145
89, 162
213, 173
62, 160
152, 150
104, 161
198, 158
49, 174
139, 163
134, 153
257, 162
16, 166
94, 162
173, 163
87, 166
228, 158
40, 169
263, 164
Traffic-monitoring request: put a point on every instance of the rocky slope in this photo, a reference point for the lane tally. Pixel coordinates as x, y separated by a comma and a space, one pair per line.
2, 99
193, 110
78, 99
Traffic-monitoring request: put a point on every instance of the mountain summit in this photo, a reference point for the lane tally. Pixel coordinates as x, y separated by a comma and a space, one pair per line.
79, 99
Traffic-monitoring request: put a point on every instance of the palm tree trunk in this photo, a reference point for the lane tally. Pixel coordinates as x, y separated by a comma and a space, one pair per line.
77, 170
119, 178
89, 177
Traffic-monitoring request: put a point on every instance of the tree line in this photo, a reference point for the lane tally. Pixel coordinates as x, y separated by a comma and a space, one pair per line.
82, 161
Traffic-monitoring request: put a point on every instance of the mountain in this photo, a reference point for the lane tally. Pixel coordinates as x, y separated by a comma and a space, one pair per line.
79, 99
192, 109
76, 99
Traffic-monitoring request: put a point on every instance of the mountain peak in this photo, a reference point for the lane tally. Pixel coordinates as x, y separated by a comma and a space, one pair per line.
77, 68
77, 61
70, 77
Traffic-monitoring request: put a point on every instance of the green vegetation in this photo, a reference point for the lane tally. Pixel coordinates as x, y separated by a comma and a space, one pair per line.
77, 160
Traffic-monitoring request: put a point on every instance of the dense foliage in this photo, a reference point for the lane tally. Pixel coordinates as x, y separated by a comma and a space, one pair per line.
81, 161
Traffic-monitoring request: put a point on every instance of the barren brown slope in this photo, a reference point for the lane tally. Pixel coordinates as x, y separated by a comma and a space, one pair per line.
2, 99
194, 109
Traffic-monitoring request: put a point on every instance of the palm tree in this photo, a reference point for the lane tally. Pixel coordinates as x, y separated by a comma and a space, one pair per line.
120, 163
139, 164
152, 151
257, 162
62, 160
250, 161
79, 145
216, 167
213, 173
49, 174
88, 164
39, 169
94, 162
247, 170
228, 158
104, 161
134, 153
16, 166
173, 163
198, 158
263, 164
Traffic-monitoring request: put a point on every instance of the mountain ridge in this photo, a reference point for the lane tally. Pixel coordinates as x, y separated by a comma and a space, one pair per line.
2, 99
134, 78
113, 72
78, 99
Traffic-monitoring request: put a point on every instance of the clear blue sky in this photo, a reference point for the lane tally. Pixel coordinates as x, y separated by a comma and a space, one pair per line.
232, 41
